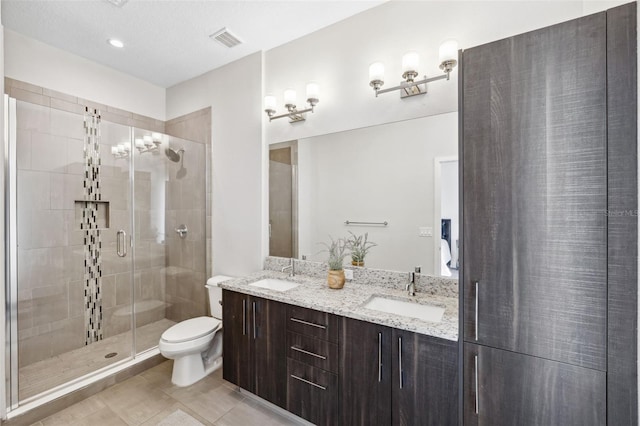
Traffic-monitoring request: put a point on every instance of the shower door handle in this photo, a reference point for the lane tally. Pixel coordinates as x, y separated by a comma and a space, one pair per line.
121, 243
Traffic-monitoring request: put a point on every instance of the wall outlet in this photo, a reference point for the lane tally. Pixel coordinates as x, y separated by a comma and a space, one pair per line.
348, 274
425, 231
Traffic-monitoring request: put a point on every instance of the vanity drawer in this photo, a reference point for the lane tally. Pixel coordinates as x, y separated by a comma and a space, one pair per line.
312, 393
309, 322
312, 351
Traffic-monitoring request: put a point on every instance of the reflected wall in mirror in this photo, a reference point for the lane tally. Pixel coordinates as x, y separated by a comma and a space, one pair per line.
283, 193
384, 173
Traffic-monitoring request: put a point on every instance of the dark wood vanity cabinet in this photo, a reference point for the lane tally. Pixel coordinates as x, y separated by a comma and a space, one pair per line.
312, 365
538, 288
397, 377
253, 340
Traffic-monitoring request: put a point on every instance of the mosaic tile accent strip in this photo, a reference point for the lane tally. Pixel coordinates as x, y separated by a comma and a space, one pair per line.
92, 238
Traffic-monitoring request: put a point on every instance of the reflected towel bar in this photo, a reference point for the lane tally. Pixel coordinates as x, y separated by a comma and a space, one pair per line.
349, 222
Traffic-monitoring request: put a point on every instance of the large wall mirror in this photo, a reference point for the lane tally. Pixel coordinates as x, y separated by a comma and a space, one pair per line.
396, 182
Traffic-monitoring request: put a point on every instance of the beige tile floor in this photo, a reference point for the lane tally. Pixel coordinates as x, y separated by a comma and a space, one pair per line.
149, 397
51, 372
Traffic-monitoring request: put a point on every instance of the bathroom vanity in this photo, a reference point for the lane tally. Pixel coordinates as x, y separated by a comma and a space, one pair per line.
331, 357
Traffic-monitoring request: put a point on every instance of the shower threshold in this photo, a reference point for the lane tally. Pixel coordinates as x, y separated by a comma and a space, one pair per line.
49, 374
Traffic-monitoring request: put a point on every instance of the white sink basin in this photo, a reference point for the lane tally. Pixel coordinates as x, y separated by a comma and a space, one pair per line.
406, 309
274, 284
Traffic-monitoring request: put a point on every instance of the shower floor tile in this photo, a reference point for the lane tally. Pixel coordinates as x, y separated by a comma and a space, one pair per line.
49, 373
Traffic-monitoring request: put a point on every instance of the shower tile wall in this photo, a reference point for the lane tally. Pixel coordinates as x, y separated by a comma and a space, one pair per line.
186, 203
51, 252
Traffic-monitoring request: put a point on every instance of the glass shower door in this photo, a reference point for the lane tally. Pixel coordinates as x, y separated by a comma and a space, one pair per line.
70, 263
170, 212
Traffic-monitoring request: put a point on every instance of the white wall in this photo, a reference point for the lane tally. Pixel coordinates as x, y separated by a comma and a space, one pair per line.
338, 58
238, 159
375, 174
37, 63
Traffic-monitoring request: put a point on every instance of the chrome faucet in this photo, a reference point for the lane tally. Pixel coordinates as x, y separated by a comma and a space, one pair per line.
290, 268
411, 287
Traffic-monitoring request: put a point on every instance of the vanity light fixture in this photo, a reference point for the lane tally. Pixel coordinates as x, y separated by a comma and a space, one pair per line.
448, 54
148, 143
295, 115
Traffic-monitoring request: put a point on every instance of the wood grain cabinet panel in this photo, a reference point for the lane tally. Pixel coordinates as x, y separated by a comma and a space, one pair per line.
516, 389
534, 120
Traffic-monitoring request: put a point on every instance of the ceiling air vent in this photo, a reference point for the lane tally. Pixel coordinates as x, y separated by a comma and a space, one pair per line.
225, 37
117, 3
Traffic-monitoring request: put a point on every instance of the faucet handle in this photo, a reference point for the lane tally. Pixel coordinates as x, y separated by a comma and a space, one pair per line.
418, 269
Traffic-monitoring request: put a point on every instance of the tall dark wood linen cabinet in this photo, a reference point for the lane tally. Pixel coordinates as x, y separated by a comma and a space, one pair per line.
548, 129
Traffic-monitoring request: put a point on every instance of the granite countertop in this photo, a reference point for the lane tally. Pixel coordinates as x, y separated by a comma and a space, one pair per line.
314, 293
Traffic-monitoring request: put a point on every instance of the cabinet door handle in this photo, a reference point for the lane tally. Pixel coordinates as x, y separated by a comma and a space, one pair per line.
308, 353
475, 284
379, 357
323, 327
476, 384
244, 317
400, 361
254, 320
308, 382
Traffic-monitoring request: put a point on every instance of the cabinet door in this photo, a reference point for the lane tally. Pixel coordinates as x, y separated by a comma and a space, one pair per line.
365, 378
516, 389
534, 117
425, 380
237, 366
269, 337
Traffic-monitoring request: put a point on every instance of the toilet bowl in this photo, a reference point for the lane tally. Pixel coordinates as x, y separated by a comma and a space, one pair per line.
195, 344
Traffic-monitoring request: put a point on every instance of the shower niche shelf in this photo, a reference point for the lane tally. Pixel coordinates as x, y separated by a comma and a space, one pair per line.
101, 221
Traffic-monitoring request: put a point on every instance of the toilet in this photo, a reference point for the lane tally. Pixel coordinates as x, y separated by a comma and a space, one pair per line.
195, 345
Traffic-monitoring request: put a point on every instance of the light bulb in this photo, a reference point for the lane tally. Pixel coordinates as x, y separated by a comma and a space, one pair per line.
410, 62
376, 71
313, 91
448, 51
289, 97
270, 102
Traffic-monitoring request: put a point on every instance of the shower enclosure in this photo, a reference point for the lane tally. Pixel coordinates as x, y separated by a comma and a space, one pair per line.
105, 244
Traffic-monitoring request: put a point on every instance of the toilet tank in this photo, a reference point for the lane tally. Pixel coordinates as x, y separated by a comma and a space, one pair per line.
215, 294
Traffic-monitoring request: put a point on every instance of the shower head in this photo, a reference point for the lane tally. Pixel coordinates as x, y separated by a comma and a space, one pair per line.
173, 155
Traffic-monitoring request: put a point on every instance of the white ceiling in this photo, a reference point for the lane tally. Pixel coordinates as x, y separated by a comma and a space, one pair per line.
167, 41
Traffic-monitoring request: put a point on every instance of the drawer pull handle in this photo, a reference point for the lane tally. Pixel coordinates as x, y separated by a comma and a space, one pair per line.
323, 327
475, 283
476, 385
308, 382
308, 353
400, 361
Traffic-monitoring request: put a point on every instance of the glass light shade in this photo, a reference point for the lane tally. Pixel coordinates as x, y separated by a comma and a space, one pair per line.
376, 71
120, 148
114, 150
410, 62
313, 91
289, 97
448, 51
148, 141
127, 147
156, 136
270, 102
139, 143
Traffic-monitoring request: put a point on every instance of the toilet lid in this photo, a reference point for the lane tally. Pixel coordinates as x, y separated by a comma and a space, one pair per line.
190, 329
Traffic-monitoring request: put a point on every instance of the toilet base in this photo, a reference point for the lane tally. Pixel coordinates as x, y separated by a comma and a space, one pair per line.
189, 369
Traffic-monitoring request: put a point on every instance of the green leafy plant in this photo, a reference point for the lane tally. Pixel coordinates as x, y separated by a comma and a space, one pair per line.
359, 246
337, 250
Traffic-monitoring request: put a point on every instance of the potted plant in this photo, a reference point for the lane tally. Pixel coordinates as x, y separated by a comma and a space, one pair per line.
337, 250
359, 247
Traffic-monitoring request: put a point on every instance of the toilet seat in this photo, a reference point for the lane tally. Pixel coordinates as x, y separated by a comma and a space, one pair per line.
191, 329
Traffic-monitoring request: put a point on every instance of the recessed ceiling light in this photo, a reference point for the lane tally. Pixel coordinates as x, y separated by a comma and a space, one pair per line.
115, 43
